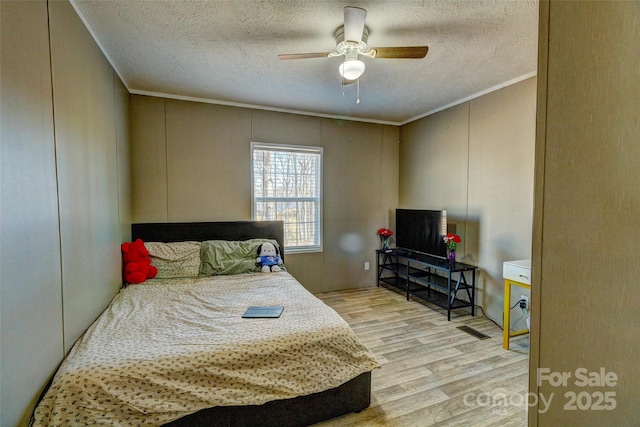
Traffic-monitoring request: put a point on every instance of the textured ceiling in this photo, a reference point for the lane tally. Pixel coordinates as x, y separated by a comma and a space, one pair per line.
226, 52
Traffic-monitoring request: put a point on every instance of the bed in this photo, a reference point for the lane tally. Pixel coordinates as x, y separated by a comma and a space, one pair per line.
176, 351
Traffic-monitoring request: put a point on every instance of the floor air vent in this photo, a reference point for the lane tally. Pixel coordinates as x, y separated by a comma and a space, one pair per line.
473, 332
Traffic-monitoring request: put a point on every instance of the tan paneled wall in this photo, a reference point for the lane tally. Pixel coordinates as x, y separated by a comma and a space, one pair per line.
353, 202
208, 161
585, 266
85, 124
476, 161
501, 170
123, 155
65, 193
197, 168
30, 300
148, 160
434, 159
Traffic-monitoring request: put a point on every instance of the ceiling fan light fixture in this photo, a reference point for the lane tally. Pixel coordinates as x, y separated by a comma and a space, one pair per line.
351, 68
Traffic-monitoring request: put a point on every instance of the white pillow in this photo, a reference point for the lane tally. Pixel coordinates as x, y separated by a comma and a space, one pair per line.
175, 259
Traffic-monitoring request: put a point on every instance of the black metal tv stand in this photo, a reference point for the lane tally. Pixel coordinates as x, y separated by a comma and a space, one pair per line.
428, 277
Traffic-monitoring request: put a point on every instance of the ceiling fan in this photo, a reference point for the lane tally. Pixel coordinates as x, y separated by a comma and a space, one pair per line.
351, 42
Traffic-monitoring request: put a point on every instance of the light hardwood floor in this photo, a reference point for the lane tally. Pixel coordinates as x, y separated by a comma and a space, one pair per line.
432, 373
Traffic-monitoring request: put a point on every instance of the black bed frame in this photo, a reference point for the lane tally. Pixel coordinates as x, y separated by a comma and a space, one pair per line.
201, 231
352, 396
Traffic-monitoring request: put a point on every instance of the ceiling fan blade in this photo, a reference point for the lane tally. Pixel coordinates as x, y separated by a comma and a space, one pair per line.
303, 55
410, 52
354, 18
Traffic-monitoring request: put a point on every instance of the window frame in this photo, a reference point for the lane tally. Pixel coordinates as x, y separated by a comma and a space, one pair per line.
319, 216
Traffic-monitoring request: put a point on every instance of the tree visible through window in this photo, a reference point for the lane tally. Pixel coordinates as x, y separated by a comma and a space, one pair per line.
287, 187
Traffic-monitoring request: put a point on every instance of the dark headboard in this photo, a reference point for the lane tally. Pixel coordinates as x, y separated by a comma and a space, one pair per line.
201, 231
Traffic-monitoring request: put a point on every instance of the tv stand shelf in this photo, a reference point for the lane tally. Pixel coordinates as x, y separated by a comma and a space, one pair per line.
427, 277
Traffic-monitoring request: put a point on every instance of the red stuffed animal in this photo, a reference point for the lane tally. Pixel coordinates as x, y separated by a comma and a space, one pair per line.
137, 263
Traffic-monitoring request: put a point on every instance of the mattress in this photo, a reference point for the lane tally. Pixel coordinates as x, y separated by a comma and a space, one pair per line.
168, 348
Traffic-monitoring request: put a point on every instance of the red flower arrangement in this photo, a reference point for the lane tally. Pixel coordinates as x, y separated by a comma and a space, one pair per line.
452, 241
385, 233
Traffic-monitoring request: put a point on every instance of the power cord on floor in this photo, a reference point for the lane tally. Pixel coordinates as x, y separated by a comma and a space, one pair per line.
485, 315
496, 323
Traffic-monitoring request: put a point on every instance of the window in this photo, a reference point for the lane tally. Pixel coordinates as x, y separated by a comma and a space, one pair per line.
286, 186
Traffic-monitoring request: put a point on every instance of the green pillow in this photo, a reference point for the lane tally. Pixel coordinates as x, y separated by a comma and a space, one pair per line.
231, 256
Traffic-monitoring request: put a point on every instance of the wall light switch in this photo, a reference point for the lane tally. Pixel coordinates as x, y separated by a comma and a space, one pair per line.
366, 266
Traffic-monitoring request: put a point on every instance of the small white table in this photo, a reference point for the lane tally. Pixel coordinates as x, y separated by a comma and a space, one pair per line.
515, 273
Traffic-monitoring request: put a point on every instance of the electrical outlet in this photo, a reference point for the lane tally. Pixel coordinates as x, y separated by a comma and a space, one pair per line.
366, 266
524, 302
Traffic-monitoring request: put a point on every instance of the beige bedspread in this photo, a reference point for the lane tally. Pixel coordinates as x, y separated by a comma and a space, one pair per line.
170, 348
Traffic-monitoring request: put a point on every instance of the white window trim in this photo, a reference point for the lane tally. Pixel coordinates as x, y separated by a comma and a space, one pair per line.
293, 148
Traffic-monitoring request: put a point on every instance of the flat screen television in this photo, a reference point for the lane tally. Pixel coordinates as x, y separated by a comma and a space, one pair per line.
422, 231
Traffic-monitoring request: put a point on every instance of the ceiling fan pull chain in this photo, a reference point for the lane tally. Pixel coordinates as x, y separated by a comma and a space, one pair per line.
342, 80
358, 91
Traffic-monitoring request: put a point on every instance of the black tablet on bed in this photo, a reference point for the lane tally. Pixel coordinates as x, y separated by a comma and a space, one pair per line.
262, 311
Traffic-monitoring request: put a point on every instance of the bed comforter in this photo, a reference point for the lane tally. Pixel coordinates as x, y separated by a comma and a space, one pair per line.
169, 348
